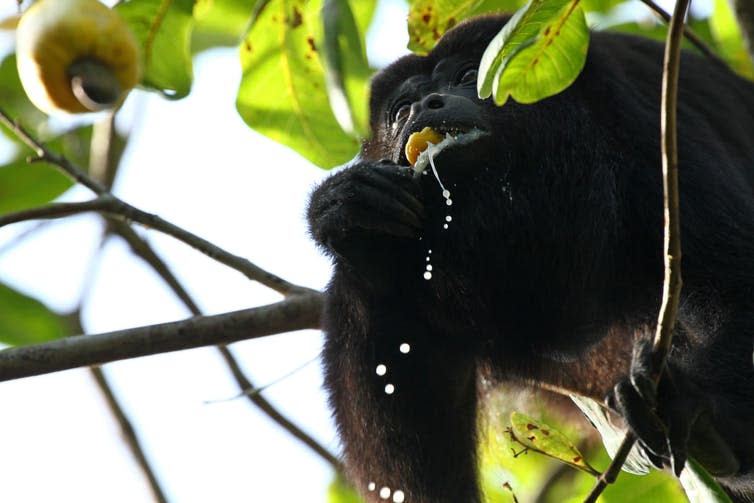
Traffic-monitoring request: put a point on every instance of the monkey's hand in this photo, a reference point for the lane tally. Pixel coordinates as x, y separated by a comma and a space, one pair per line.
355, 212
672, 420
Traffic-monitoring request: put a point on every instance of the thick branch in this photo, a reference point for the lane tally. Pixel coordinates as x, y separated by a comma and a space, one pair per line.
146, 253
672, 242
297, 312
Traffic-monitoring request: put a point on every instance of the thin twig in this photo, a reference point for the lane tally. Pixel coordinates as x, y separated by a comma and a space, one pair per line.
127, 429
142, 249
22, 236
687, 31
103, 166
276, 416
116, 207
671, 287
296, 312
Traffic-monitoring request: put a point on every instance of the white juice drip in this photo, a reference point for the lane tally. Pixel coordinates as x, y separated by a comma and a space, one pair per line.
428, 268
430, 152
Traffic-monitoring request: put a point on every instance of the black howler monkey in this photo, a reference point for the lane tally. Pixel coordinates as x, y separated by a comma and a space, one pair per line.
550, 267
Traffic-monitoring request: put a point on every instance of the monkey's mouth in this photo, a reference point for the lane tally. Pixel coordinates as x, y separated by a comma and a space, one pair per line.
422, 147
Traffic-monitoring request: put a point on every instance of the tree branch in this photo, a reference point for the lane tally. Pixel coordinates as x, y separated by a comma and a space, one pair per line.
146, 253
687, 31
130, 437
56, 210
297, 312
118, 208
129, 433
671, 287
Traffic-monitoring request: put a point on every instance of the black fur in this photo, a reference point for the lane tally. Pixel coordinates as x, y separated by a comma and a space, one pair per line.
551, 267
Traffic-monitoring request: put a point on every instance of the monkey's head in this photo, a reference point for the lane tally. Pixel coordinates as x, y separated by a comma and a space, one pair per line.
437, 91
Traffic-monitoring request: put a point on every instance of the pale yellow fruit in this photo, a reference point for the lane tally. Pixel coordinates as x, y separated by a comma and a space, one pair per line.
418, 143
75, 56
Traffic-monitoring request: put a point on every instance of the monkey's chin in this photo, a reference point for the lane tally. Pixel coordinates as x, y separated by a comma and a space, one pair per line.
451, 140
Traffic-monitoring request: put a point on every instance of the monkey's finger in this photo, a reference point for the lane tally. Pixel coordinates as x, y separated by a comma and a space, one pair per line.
365, 220
392, 181
640, 418
392, 209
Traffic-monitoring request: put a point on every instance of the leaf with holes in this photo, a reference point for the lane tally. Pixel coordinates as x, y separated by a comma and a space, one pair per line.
537, 54
282, 93
428, 20
542, 438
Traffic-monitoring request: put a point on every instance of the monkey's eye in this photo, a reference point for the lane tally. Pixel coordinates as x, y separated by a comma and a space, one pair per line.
468, 77
401, 112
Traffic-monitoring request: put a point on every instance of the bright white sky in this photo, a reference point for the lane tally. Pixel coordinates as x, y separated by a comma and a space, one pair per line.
195, 163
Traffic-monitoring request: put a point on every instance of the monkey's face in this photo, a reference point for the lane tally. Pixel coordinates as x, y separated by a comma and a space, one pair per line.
437, 91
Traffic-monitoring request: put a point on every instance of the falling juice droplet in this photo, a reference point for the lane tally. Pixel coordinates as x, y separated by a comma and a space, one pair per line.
448, 218
427, 273
385, 493
398, 496
405, 348
371, 486
389, 389
381, 370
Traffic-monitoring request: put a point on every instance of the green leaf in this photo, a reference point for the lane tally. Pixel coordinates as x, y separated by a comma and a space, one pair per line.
346, 69
537, 54
163, 28
428, 20
220, 22
699, 485
363, 13
282, 93
341, 491
24, 320
542, 438
24, 185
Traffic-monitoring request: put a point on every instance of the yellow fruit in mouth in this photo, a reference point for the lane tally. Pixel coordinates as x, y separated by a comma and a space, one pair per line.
418, 143
76, 56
